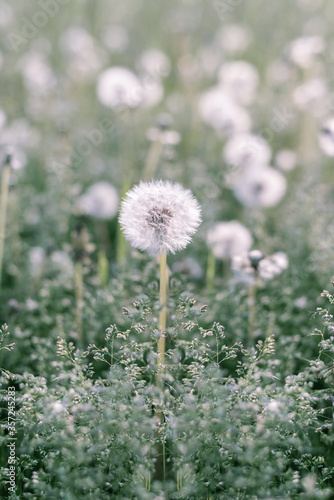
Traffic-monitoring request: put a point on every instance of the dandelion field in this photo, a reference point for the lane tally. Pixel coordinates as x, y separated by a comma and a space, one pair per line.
166, 250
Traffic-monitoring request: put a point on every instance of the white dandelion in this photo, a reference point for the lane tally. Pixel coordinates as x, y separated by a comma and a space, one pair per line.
240, 79
245, 150
159, 217
219, 110
229, 239
100, 200
304, 50
118, 86
260, 187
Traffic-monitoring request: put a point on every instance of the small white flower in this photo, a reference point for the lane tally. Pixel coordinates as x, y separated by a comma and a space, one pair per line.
118, 86
311, 96
273, 265
217, 108
244, 150
36, 261
240, 79
286, 160
155, 62
159, 217
260, 187
100, 200
303, 51
229, 239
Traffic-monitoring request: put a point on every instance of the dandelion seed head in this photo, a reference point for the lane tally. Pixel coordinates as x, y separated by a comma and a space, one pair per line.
159, 217
219, 110
229, 239
240, 79
245, 150
100, 200
260, 187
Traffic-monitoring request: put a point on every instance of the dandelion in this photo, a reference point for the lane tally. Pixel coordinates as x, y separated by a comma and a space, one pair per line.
118, 86
100, 200
303, 51
217, 108
260, 187
226, 240
159, 217
273, 266
245, 150
239, 79
286, 160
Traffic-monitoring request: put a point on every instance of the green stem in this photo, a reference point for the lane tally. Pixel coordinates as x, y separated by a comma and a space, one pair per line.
210, 271
3, 215
79, 297
152, 161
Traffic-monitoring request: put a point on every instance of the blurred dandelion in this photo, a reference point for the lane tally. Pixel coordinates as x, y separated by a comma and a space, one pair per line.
240, 80
226, 240
260, 187
243, 150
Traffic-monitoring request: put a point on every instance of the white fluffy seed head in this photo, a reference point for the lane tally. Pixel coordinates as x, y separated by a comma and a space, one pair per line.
159, 217
229, 239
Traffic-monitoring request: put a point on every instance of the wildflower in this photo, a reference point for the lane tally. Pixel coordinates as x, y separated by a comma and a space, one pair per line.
239, 79
303, 51
228, 239
326, 137
244, 150
100, 200
36, 261
115, 38
159, 217
218, 109
118, 86
311, 95
234, 38
286, 160
155, 63
260, 187
273, 265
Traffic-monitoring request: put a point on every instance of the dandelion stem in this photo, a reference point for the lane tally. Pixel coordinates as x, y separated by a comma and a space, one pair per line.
252, 305
163, 311
152, 161
121, 242
211, 271
103, 268
4, 200
79, 297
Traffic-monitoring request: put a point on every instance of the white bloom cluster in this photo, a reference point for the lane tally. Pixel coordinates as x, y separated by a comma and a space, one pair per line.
229, 239
100, 200
303, 51
159, 216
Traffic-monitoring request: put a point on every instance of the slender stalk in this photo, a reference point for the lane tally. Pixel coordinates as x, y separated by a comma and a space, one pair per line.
121, 242
3, 214
103, 268
210, 271
163, 311
152, 161
78, 296
252, 306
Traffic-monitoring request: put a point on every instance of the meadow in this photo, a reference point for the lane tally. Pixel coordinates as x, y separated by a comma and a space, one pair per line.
166, 250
